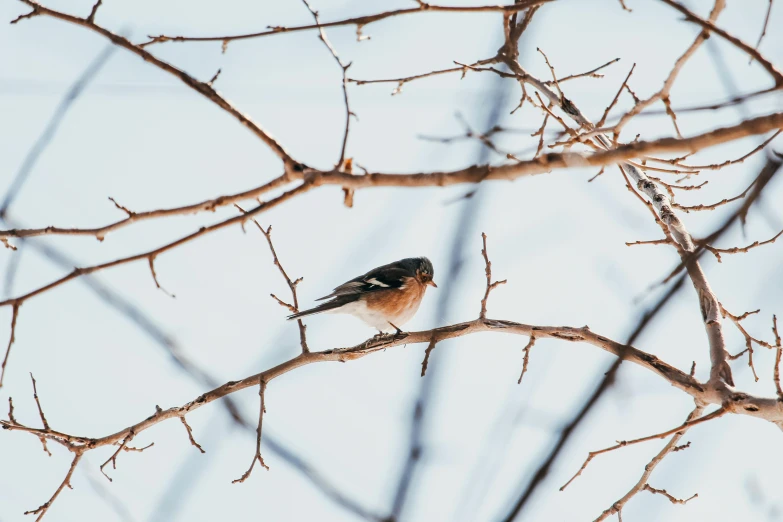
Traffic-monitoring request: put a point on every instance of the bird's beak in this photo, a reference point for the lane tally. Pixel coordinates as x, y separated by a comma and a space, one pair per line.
432, 283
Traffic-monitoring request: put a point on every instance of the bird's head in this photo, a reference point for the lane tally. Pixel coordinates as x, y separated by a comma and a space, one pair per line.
425, 271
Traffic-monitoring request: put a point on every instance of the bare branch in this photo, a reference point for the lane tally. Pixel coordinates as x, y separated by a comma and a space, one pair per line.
663, 492
589, 74
427, 352
776, 371
151, 261
616, 97
671, 78
473, 174
670, 447
621, 444
94, 11
764, 27
709, 25
190, 434
14, 315
737, 250
344, 69
488, 271
257, 457
38, 403
291, 284
41, 511
359, 21
526, 358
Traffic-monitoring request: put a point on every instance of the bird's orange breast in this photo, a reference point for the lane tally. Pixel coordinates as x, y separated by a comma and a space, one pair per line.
397, 302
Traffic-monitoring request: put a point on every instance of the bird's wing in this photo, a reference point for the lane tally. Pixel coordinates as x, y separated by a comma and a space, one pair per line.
387, 276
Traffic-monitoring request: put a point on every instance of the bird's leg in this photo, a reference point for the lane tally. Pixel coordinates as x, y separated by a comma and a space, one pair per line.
398, 332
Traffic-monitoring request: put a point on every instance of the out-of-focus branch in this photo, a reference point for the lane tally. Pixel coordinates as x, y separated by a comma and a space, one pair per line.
49, 132
203, 88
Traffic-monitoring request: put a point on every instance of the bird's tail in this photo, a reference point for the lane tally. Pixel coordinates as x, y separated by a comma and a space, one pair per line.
317, 310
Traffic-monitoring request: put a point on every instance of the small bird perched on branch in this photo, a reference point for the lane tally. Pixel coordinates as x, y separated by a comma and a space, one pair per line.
385, 297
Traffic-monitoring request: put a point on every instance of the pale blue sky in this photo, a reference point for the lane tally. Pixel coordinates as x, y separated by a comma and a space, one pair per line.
142, 137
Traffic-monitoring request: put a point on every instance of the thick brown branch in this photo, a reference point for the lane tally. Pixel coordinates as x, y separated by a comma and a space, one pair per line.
764, 408
473, 174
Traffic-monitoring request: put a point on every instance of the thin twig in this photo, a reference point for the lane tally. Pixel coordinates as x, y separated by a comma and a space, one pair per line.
616, 97
753, 53
672, 499
589, 74
427, 352
41, 511
526, 358
38, 404
778, 350
12, 338
670, 447
291, 284
190, 434
358, 21
257, 456
488, 271
764, 27
685, 426
344, 69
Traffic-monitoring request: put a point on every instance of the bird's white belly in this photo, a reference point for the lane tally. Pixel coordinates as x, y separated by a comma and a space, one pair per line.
378, 320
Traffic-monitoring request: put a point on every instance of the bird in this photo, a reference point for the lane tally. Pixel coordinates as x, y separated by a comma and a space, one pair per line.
385, 297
